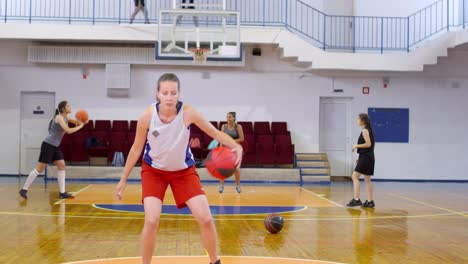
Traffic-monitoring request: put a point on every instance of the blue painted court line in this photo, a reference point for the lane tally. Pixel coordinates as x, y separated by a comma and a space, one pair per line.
247, 181
215, 210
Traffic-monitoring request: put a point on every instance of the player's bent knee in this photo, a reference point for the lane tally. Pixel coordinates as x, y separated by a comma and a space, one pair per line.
152, 222
206, 220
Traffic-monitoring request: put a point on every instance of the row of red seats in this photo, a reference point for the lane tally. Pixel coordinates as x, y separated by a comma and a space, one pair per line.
74, 146
262, 145
257, 128
110, 126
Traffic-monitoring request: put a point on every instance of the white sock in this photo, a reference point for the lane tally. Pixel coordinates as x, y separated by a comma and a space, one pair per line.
61, 180
32, 176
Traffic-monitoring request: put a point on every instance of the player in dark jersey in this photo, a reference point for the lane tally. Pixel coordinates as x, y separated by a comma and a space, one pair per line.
365, 163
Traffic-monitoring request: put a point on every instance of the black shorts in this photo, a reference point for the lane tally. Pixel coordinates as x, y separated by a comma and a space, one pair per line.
139, 2
50, 153
188, 2
365, 164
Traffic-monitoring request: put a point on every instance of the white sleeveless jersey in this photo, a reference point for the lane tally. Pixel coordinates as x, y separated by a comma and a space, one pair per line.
167, 147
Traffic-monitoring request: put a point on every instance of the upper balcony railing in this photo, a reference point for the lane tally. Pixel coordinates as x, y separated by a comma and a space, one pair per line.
349, 33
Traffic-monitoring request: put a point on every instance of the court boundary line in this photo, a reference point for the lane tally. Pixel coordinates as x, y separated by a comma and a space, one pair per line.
200, 256
74, 193
429, 205
321, 197
285, 212
114, 180
233, 219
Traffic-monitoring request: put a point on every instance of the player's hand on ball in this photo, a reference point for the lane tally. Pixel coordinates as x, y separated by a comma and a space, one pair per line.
239, 153
119, 189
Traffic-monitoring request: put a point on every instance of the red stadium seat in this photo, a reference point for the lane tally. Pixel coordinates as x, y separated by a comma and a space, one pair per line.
262, 128
283, 140
247, 127
265, 150
120, 126
133, 125
78, 146
89, 126
250, 154
279, 128
102, 125
117, 143
215, 124
66, 147
195, 130
284, 154
100, 151
206, 141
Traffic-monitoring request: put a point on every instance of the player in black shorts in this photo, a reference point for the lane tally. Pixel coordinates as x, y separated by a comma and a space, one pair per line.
365, 163
50, 151
139, 6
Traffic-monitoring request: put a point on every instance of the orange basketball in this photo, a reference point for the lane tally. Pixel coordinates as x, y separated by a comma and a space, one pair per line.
82, 115
221, 162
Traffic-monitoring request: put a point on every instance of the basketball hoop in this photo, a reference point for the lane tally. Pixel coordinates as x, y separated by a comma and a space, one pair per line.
199, 54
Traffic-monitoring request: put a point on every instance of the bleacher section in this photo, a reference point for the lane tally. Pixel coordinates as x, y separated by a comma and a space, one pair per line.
266, 144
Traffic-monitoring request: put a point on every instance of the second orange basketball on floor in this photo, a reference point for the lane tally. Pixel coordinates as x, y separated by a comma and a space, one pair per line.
221, 162
82, 115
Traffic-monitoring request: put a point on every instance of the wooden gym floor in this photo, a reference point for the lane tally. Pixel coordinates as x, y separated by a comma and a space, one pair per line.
413, 223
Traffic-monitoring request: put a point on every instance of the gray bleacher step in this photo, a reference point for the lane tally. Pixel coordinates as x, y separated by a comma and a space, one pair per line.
315, 175
316, 179
312, 163
311, 157
305, 171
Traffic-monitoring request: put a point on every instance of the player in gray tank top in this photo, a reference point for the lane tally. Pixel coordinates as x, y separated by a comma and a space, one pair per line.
56, 133
235, 131
50, 151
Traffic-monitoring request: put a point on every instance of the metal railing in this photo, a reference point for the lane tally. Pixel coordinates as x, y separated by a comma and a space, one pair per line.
350, 33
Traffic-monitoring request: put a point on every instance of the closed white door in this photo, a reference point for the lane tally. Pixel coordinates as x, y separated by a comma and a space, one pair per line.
335, 134
37, 109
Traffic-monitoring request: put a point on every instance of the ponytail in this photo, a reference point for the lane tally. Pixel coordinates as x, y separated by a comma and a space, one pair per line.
58, 110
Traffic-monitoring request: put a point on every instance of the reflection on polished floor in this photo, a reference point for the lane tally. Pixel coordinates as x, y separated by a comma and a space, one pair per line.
412, 223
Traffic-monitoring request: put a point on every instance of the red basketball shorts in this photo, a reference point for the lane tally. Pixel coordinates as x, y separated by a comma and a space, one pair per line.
185, 184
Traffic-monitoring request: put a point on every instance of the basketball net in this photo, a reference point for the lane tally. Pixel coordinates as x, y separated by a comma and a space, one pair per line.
199, 54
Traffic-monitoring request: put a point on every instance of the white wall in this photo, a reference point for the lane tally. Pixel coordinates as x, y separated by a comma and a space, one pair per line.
394, 8
268, 89
317, 4
338, 7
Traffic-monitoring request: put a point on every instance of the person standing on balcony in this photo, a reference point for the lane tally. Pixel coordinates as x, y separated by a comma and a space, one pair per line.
188, 4
139, 6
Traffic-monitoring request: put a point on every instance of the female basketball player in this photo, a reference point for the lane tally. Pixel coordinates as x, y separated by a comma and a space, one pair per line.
237, 133
50, 151
365, 163
139, 6
167, 161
